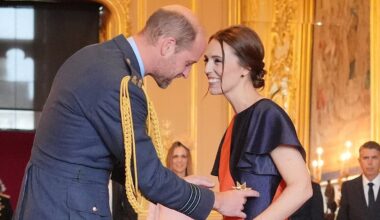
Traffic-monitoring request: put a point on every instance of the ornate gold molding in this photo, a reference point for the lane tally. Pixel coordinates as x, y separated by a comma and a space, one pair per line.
249, 12
375, 69
283, 80
303, 95
116, 17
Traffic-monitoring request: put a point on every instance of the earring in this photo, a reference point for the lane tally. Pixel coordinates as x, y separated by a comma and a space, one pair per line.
242, 76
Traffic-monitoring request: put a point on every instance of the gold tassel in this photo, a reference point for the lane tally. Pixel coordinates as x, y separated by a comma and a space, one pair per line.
131, 184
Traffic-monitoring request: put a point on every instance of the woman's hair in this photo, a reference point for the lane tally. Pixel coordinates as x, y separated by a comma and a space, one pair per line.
169, 157
247, 47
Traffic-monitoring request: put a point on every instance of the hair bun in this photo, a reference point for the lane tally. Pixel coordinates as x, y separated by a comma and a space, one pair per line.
258, 79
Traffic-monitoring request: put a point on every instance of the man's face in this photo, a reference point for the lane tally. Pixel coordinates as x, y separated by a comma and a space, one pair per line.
369, 161
178, 64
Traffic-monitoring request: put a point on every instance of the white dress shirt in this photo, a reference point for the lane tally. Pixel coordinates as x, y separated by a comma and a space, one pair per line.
376, 184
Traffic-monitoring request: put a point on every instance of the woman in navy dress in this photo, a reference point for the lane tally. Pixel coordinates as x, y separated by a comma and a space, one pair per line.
260, 148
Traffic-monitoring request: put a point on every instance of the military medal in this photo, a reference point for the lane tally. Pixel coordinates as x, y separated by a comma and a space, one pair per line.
241, 186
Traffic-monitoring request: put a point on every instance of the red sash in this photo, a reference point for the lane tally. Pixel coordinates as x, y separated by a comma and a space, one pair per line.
225, 179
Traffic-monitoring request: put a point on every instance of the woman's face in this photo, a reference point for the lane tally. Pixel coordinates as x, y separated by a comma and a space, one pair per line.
179, 161
222, 81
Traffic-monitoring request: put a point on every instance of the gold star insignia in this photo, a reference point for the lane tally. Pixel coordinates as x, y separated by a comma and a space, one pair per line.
240, 186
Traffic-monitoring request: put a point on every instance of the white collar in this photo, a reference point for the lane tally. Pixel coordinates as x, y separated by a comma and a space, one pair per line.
375, 181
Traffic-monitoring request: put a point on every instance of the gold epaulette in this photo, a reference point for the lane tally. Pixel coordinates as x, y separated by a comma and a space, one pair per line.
131, 179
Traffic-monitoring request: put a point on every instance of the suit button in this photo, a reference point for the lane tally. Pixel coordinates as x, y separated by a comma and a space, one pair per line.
94, 209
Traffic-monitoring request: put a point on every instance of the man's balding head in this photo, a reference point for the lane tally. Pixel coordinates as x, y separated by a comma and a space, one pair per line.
170, 43
174, 21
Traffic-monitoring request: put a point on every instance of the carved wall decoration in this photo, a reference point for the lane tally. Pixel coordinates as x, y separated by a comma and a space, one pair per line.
283, 26
116, 18
282, 83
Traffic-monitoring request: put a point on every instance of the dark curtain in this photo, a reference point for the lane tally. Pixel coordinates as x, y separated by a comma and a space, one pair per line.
15, 148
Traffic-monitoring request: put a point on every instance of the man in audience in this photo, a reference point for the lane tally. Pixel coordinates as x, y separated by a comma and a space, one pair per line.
360, 196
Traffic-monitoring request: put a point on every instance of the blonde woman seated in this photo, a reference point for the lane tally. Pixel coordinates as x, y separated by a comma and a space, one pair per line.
179, 161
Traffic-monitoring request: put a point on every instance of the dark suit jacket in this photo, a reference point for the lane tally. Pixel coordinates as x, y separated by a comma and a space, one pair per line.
353, 205
313, 208
5, 207
79, 140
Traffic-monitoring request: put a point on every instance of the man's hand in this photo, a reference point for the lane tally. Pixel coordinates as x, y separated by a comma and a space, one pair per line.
231, 203
200, 181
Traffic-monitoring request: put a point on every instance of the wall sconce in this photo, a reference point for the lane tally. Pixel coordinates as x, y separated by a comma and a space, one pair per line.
317, 165
345, 158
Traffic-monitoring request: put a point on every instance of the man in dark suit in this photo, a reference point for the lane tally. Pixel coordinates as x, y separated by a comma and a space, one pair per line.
79, 139
359, 199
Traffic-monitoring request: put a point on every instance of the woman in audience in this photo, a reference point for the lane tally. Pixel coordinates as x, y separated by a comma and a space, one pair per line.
179, 161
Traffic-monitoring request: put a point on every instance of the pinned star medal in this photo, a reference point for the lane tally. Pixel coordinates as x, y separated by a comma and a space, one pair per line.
241, 186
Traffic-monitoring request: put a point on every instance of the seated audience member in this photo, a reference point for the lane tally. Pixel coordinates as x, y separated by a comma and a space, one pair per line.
359, 199
313, 208
5, 204
179, 161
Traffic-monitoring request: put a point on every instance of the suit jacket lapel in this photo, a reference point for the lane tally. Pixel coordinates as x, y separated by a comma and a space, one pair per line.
377, 201
359, 189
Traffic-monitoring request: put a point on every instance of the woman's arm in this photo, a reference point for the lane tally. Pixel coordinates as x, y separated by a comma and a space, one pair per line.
298, 189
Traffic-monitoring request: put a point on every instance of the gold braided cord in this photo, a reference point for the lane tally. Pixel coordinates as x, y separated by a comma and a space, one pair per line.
131, 184
128, 136
154, 128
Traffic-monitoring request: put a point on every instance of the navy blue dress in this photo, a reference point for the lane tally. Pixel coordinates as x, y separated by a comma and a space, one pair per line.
257, 131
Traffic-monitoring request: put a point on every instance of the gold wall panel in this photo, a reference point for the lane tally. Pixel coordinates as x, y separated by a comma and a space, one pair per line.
375, 70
